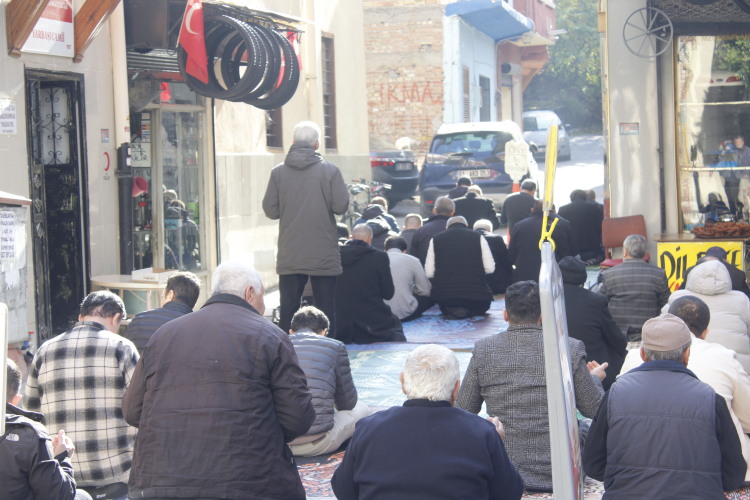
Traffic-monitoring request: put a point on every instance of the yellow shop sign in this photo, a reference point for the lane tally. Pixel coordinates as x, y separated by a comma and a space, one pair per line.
676, 258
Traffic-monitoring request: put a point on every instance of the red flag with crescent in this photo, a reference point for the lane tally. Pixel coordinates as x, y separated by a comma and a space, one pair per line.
192, 39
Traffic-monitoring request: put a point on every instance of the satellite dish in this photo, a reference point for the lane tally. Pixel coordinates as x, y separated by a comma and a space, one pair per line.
648, 32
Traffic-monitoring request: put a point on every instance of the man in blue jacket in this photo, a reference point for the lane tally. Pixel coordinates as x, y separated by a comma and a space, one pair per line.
427, 449
662, 433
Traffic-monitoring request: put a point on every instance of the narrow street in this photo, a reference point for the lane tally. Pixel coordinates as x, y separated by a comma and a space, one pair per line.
585, 170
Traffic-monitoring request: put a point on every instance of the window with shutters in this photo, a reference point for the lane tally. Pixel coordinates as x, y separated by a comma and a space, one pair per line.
329, 93
467, 91
484, 110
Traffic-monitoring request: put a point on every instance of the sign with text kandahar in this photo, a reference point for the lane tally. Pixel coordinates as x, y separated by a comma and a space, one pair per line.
565, 448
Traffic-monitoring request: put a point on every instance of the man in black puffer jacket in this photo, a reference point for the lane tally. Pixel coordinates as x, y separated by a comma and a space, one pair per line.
363, 317
329, 378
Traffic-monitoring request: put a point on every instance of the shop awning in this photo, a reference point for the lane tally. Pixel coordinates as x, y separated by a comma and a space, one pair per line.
494, 18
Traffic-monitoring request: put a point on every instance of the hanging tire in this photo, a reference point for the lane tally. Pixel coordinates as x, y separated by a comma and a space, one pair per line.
286, 90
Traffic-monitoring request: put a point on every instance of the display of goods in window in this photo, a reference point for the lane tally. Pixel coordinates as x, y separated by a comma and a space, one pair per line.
247, 62
723, 230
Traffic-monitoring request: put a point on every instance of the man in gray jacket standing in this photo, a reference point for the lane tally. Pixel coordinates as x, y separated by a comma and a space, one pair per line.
304, 193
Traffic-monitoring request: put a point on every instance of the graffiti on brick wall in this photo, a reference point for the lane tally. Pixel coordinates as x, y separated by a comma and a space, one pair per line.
421, 92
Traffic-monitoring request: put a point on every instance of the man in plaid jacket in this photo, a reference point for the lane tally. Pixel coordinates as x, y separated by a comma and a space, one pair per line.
636, 289
77, 381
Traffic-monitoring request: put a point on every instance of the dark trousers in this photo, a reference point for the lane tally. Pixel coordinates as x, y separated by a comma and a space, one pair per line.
423, 303
463, 308
291, 287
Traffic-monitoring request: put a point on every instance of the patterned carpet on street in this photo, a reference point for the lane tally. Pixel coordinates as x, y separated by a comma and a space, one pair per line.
434, 328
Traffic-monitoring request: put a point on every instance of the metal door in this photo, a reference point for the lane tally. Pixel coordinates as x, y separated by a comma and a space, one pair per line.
58, 191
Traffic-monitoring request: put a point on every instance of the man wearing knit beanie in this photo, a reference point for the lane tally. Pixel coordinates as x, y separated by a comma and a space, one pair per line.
662, 433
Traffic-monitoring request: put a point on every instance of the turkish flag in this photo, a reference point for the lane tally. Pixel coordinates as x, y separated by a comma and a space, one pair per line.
192, 39
294, 40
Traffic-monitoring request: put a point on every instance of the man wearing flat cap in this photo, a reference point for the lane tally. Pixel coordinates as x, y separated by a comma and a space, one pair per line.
458, 260
739, 280
662, 433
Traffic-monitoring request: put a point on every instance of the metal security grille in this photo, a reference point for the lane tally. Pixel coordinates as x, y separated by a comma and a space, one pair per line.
484, 111
467, 100
721, 11
329, 93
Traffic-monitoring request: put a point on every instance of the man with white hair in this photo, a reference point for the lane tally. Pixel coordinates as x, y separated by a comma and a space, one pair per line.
216, 397
427, 449
364, 317
458, 260
636, 289
474, 207
304, 194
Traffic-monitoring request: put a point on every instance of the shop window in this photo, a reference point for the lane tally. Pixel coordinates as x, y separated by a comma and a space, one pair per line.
181, 137
484, 111
467, 99
274, 131
713, 126
329, 93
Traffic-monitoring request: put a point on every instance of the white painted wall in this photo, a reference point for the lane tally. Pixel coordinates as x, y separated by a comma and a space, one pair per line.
244, 163
14, 167
465, 46
634, 159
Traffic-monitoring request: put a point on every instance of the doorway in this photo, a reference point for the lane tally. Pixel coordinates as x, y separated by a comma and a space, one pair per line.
55, 121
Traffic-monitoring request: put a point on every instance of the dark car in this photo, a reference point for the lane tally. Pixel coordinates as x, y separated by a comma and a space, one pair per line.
394, 166
475, 150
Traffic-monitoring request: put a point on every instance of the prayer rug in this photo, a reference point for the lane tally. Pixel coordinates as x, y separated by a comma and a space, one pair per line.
376, 376
434, 328
740, 494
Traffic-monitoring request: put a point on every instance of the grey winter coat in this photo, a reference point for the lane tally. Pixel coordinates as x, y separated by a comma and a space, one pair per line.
329, 378
304, 193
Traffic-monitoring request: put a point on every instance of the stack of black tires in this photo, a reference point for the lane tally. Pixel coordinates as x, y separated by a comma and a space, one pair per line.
248, 59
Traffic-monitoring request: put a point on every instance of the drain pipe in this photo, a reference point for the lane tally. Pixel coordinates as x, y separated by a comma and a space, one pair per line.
124, 172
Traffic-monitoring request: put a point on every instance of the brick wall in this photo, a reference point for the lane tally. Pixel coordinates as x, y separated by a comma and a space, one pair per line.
404, 51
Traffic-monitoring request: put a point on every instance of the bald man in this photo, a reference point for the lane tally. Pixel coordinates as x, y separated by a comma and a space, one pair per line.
363, 317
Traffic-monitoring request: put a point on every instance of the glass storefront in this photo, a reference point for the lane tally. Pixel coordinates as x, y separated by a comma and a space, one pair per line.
713, 126
167, 155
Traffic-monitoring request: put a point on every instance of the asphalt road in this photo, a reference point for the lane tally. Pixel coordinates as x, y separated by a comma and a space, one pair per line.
585, 170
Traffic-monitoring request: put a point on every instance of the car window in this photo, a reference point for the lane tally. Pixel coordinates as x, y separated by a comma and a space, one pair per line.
543, 121
529, 124
476, 143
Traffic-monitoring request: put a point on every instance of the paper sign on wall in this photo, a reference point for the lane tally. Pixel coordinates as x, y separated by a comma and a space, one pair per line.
7, 116
7, 236
53, 33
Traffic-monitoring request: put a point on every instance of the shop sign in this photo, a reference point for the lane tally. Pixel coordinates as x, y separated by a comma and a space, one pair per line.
53, 33
630, 128
676, 258
7, 116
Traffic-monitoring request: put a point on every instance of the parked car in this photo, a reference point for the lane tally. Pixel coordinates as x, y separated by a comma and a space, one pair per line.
535, 125
394, 166
475, 150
